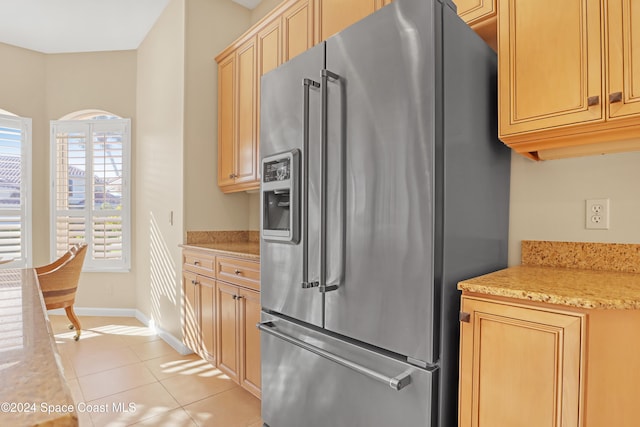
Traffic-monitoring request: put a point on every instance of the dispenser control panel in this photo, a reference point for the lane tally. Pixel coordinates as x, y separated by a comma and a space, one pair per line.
280, 195
277, 170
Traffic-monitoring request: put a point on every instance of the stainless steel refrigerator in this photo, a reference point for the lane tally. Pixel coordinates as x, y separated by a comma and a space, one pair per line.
383, 185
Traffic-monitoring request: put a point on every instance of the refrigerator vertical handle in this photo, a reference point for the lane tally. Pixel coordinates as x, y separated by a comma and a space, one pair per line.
308, 83
326, 75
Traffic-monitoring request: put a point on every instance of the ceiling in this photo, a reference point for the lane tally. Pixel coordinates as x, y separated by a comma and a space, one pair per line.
63, 26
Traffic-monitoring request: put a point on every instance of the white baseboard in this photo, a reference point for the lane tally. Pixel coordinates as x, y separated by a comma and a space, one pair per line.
166, 336
129, 312
98, 311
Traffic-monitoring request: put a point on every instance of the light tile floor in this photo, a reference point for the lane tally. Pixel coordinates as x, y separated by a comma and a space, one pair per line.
121, 374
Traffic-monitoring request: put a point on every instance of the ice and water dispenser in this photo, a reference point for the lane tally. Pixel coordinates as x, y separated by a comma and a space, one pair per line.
280, 194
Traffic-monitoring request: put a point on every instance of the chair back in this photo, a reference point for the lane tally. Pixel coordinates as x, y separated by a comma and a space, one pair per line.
59, 280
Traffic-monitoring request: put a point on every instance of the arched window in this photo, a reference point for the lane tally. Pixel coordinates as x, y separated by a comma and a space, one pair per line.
90, 197
15, 190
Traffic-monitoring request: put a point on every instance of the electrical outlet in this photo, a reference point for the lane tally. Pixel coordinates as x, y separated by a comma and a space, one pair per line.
597, 214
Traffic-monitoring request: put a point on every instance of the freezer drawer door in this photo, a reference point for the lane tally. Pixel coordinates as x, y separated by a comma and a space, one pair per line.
313, 380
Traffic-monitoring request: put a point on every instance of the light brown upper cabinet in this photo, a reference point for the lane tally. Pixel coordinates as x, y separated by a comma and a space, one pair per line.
237, 120
282, 34
290, 29
482, 16
297, 25
624, 58
336, 15
567, 85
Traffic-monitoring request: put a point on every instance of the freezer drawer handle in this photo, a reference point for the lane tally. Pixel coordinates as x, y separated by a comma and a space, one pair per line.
397, 383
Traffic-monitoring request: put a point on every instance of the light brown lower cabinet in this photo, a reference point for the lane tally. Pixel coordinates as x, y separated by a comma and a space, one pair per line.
532, 364
220, 313
238, 337
198, 311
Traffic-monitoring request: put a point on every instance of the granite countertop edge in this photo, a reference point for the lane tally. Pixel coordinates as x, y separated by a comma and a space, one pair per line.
246, 250
590, 289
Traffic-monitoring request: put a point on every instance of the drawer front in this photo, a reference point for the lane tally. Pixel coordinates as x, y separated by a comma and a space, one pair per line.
239, 272
199, 263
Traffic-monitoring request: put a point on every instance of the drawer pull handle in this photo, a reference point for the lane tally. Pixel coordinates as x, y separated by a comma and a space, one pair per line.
593, 100
196, 263
615, 97
236, 271
396, 383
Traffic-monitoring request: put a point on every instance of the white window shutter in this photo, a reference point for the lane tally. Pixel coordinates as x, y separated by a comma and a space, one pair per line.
15, 190
90, 175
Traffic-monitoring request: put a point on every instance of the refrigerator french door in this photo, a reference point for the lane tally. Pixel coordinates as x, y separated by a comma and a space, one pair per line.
366, 183
365, 188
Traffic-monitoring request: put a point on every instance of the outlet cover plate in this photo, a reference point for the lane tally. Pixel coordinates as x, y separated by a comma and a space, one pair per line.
597, 214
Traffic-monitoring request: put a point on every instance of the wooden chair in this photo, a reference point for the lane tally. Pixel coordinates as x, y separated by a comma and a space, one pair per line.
59, 282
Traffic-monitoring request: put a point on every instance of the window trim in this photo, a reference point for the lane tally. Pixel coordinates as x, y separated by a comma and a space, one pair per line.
90, 125
26, 185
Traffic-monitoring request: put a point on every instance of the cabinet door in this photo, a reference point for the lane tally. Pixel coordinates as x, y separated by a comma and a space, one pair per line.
227, 330
207, 317
269, 57
624, 58
246, 144
336, 15
191, 313
473, 10
549, 62
226, 117
297, 26
250, 374
519, 366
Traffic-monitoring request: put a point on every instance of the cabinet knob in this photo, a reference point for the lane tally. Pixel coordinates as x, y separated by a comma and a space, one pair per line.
615, 97
236, 271
196, 262
194, 282
593, 100
465, 317
233, 175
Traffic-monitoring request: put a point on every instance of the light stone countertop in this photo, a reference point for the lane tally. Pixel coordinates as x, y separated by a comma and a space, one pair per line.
246, 250
244, 244
30, 372
565, 286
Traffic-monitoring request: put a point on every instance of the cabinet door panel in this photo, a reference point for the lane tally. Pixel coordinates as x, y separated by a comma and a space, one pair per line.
227, 329
207, 317
246, 149
190, 315
624, 57
250, 317
542, 87
470, 10
297, 25
519, 366
226, 117
336, 15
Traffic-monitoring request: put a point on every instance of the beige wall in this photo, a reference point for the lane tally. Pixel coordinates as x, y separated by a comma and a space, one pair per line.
262, 9
159, 169
103, 81
548, 199
211, 25
23, 92
46, 87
